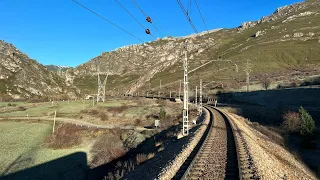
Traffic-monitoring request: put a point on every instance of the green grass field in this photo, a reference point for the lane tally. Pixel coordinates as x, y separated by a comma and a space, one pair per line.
22, 146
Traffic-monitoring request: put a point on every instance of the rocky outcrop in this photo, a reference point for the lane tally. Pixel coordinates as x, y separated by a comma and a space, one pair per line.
297, 34
22, 77
289, 12
259, 33
144, 60
247, 25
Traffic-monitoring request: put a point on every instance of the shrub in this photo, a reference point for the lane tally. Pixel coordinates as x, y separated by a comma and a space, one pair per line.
265, 81
21, 108
93, 112
65, 136
103, 116
307, 123
137, 122
292, 121
140, 158
162, 113
107, 148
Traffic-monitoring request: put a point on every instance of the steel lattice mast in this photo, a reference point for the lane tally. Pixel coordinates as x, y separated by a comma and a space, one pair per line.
185, 94
200, 99
196, 100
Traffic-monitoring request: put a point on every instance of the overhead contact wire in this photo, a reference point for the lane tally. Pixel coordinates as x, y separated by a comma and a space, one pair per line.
132, 16
201, 15
107, 20
145, 14
187, 16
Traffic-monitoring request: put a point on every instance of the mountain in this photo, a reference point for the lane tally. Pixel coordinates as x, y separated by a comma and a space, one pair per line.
22, 77
55, 68
281, 45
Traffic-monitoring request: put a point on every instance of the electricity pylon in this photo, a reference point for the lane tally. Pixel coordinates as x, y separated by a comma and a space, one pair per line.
101, 85
101, 88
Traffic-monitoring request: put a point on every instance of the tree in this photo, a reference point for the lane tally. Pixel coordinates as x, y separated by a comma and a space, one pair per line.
307, 123
162, 113
265, 81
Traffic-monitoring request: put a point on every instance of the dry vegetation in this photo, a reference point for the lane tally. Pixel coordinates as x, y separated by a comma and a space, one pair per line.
66, 136
292, 121
107, 148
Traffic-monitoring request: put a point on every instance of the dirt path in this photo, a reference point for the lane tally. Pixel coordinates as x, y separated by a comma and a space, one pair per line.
78, 123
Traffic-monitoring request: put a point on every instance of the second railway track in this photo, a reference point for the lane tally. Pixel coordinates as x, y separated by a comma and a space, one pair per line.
215, 156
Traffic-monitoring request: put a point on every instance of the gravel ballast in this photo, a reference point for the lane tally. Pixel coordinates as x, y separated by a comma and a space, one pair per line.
269, 160
173, 166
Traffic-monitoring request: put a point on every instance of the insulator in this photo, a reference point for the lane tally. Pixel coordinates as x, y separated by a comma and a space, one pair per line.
149, 19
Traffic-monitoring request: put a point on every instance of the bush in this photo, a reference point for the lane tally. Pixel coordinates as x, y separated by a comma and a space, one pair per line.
103, 116
66, 136
307, 123
137, 122
162, 113
140, 158
292, 121
107, 148
266, 82
21, 108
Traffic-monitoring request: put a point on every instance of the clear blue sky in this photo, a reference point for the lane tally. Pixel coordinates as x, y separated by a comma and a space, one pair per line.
63, 33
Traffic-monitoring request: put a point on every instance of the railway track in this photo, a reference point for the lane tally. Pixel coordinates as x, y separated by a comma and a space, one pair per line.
215, 156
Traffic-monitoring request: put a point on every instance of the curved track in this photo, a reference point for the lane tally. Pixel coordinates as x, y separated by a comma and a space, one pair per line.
215, 156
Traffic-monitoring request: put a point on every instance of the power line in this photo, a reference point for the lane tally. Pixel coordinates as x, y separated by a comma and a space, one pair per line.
107, 20
189, 7
134, 2
201, 14
160, 27
132, 16
145, 14
187, 16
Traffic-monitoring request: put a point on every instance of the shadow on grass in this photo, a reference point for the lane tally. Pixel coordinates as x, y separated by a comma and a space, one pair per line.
73, 166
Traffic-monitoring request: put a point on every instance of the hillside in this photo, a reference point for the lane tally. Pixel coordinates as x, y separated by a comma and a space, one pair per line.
22, 77
281, 45
55, 68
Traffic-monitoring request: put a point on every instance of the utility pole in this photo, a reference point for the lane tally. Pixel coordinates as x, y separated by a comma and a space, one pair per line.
180, 90
196, 100
185, 94
54, 121
248, 70
170, 93
159, 89
200, 99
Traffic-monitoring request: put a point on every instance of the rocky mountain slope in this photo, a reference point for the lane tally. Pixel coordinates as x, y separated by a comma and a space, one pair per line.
286, 42
55, 68
283, 46
22, 77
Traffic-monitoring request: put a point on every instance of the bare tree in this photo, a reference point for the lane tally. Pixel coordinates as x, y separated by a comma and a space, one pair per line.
266, 82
